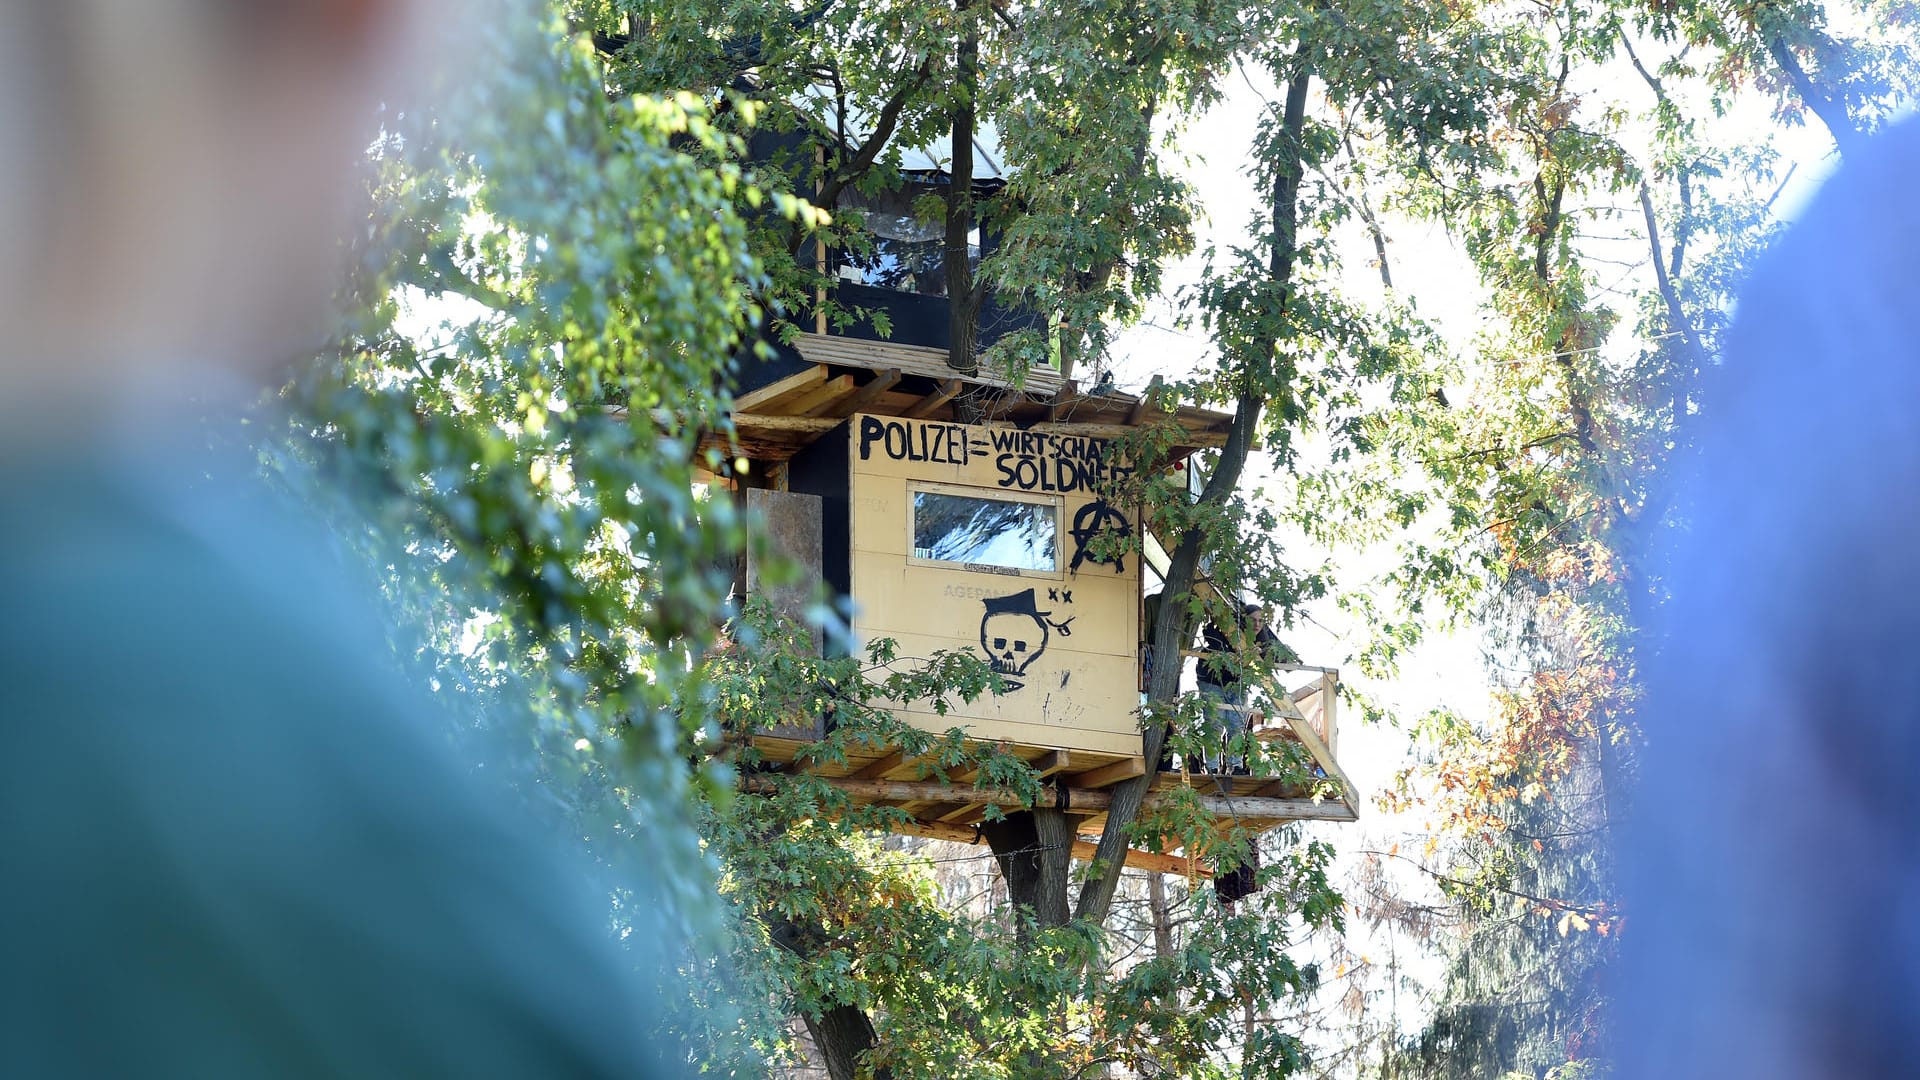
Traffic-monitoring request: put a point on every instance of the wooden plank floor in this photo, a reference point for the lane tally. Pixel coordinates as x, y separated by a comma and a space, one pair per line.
891, 777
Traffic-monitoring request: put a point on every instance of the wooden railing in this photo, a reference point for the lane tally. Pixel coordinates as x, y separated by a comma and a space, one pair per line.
1309, 713
1314, 704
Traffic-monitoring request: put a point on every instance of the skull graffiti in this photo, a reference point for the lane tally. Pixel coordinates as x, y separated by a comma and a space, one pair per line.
1013, 634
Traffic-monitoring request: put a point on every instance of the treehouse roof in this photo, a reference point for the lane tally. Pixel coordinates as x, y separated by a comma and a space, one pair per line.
820, 380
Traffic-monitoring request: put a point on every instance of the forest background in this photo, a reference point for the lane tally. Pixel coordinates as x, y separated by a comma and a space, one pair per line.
1489, 257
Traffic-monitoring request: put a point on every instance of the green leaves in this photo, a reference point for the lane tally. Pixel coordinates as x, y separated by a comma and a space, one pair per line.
549, 292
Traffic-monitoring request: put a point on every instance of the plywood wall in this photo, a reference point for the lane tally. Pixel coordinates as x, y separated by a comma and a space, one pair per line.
1078, 677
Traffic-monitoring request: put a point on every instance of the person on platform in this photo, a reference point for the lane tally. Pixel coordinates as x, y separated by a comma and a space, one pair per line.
1234, 649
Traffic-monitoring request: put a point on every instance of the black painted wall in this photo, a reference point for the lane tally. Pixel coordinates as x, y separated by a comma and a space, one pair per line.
922, 320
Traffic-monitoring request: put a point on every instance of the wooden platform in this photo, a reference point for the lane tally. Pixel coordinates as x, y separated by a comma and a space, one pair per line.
1080, 782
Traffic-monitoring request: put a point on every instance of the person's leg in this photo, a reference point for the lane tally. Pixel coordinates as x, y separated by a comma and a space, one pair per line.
1234, 758
1215, 718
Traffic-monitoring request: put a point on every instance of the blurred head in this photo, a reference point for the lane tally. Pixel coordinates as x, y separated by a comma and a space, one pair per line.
173, 176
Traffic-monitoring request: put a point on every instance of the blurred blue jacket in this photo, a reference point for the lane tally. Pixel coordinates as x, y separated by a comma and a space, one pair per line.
232, 842
1772, 866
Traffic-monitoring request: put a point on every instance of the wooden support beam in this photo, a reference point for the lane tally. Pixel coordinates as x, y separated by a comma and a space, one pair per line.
1051, 762
1082, 850
888, 762
1107, 775
1139, 410
773, 391
824, 394
912, 359
1066, 798
806, 425
1279, 789
865, 396
1045, 765
939, 397
1193, 436
1323, 755
955, 813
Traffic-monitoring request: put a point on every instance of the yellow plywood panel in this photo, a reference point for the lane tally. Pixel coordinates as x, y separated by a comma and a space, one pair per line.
1067, 635
1053, 736
1078, 615
998, 456
1046, 686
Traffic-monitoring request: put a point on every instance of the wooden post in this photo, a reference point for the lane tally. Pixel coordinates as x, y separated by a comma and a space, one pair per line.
1329, 697
819, 245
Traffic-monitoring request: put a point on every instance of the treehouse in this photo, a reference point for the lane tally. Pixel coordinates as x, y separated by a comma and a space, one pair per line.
959, 510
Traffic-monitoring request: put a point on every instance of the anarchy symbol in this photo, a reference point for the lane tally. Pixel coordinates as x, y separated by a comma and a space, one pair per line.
1090, 521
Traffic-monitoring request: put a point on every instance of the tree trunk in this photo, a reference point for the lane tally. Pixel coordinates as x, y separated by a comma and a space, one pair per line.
1831, 110
843, 1035
1173, 627
1162, 916
962, 303
1034, 849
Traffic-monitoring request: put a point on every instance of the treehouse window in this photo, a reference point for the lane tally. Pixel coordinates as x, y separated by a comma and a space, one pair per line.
980, 530
902, 250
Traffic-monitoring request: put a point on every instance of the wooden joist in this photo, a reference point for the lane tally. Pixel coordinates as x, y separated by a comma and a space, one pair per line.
818, 397
752, 446
1082, 850
1051, 762
805, 425
1193, 437
1066, 798
1139, 410
865, 396
947, 391
774, 391
1108, 775
1045, 765
883, 765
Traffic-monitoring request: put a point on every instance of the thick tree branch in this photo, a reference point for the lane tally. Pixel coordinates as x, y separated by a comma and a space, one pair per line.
884, 123
846, 173
1832, 112
962, 303
1676, 316
1549, 224
843, 1034
1682, 229
1174, 623
1365, 209
1659, 89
